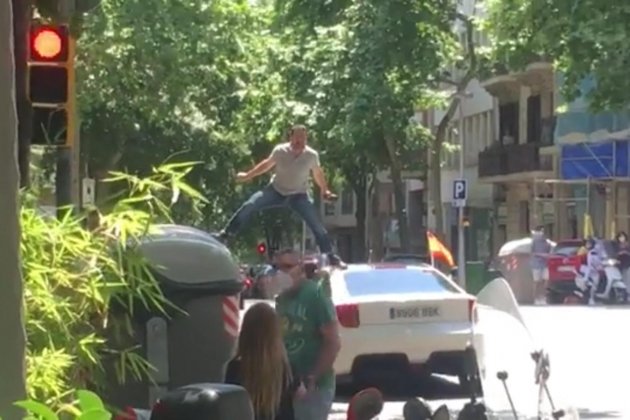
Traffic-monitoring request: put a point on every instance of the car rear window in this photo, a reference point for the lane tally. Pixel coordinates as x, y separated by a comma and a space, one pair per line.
566, 250
395, 280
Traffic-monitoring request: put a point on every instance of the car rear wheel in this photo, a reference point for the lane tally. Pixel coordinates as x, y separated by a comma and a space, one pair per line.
375, 370
554, 297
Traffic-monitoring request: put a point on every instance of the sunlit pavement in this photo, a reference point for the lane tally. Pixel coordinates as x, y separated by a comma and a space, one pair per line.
588, 347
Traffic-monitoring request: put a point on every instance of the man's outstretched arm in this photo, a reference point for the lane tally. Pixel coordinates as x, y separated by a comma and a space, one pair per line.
320, 180
261, 167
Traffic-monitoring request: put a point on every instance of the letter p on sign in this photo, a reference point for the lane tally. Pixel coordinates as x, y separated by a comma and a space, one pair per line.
460, 192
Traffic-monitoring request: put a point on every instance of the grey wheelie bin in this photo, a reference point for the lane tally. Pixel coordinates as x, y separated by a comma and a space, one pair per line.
192, 345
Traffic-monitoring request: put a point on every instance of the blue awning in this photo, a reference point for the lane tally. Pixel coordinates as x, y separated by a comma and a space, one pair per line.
595, 160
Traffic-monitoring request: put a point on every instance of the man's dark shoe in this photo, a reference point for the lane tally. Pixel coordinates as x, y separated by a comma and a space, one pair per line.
221, 236
336, 261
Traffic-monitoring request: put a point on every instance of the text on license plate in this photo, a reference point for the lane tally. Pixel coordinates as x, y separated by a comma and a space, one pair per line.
417, 312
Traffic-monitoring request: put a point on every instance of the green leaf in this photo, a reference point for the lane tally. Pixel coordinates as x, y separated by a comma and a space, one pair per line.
95, 414
89, 401
38, 409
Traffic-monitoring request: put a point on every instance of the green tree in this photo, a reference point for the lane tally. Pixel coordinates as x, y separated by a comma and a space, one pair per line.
470, 61
12, 333
169, 81
584, 38
364, 69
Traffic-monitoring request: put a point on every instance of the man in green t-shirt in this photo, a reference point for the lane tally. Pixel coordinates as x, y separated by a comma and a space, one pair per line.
311, 336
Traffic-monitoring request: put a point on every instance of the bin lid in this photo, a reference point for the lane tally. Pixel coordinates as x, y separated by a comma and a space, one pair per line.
188, 256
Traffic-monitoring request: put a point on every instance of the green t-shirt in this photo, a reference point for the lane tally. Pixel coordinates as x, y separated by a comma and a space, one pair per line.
302, 315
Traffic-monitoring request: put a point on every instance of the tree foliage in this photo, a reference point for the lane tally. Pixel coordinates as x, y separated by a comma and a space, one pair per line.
363, 69
585, 38
181, 80
73, 274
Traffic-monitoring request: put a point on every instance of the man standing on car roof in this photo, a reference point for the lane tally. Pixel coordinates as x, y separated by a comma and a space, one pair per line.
540, 273
293, 161
311, 336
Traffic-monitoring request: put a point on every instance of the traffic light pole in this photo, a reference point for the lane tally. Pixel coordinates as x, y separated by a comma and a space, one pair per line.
66, 196
63, 181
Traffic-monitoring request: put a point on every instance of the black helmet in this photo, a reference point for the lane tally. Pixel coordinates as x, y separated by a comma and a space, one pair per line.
589, 243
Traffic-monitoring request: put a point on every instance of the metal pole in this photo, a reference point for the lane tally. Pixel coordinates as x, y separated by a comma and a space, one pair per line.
461, 239
63, 181
368, 220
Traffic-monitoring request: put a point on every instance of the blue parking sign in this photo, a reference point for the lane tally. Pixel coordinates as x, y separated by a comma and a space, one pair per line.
460, 190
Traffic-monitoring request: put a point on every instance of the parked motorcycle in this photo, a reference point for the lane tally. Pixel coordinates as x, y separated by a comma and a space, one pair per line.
611, 288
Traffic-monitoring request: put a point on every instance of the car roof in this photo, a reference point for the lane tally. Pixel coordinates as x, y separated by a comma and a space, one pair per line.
565, 242
426, 268
389, 265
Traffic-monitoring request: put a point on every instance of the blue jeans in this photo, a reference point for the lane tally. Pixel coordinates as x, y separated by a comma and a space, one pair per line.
315, 405
268, 197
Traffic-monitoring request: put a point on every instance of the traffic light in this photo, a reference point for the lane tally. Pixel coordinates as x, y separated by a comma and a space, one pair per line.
261, 248
51, 84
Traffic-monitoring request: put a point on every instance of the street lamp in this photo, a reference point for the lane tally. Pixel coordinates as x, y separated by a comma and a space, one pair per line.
461, 239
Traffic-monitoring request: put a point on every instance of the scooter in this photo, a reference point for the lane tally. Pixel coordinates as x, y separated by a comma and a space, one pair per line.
611, 287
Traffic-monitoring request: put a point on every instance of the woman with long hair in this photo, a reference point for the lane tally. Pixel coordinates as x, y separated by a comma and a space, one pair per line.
261, 365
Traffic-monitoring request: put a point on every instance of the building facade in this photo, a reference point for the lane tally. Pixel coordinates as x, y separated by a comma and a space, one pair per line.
381, 230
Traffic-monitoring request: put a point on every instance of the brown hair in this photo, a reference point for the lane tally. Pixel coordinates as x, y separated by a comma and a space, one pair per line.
264, 365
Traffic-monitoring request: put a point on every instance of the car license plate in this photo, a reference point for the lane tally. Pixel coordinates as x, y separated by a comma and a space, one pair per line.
415, 312
565, 268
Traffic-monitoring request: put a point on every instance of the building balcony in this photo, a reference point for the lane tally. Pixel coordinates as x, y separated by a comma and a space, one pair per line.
506, 85
501, 161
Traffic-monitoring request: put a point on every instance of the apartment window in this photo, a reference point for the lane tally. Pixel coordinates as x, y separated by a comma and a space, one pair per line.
508, 123
329, 209
487, 130
347, 202
533, 119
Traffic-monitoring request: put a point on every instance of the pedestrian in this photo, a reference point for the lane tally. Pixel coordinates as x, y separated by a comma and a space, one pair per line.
261, 365
623, 255
293, 162
540, 273
311, 336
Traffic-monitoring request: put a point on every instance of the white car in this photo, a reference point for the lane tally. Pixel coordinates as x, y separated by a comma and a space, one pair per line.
396, 317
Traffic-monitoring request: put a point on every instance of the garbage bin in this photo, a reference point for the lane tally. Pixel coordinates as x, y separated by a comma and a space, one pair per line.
204, 402
201, 277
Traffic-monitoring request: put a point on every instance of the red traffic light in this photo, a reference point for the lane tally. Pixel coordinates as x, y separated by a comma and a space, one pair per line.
49, 43
262, 248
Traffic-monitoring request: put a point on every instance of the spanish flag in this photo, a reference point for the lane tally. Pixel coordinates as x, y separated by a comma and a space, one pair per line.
439, 251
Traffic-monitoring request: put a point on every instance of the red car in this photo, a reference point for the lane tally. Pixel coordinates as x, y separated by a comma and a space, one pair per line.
562, 263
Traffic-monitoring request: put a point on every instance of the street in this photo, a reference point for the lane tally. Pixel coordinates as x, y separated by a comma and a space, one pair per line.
587, 348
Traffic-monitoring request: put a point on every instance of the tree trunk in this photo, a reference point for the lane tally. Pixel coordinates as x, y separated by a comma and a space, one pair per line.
376, 224
435, 169
361, 216
12, 333
399, 195
21, 22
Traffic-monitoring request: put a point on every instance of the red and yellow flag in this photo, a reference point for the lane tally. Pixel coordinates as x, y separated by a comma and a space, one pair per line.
439, 251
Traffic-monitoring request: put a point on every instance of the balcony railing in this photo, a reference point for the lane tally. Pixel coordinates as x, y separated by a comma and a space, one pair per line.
512, 159
517, 158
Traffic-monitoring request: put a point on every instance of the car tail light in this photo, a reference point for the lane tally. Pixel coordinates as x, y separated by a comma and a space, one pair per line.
348, 315
473, 314
158, 407
128, 414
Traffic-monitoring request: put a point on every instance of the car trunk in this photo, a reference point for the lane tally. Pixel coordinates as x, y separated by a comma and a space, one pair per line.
414, 309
